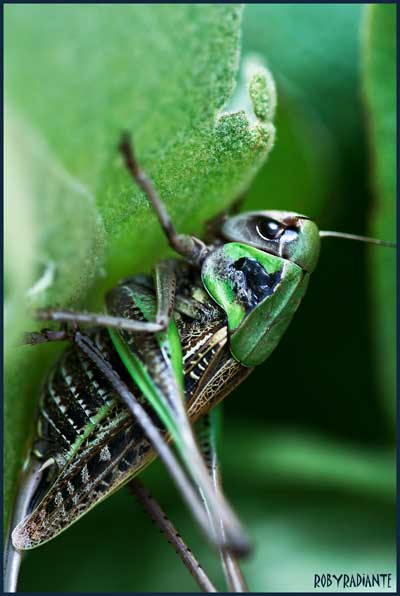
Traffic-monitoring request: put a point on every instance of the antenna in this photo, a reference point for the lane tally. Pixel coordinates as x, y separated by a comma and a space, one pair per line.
331, 234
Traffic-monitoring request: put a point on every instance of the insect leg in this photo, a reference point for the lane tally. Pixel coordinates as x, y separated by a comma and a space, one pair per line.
156, 513
190, 247
159, 374
46, 336
165, 285
207, 429
89, 318
30, 479
160, 445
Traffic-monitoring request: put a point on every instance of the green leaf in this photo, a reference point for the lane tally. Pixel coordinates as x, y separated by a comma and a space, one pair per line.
300, 535
76, 76
302, 167
109, 76
379, 70
312, 50
288, 458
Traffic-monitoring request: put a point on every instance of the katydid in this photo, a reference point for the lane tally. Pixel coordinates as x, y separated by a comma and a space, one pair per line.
168, 350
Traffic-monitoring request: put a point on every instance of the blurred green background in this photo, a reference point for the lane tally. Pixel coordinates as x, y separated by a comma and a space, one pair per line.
308, 442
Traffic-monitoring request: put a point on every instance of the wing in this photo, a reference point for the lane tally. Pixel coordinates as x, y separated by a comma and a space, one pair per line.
91, 438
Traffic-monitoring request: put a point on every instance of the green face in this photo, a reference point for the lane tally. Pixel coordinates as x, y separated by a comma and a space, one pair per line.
259, 277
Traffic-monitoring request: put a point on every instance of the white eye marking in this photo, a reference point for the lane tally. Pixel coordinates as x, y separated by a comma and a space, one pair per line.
291, 235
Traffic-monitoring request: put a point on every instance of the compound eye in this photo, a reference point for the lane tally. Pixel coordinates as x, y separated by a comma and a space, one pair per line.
269, 229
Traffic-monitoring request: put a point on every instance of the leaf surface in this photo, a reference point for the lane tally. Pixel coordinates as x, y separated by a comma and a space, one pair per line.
379, 69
